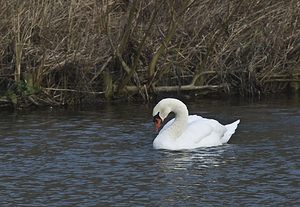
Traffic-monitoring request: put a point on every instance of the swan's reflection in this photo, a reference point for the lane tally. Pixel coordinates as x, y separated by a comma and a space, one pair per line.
200, 158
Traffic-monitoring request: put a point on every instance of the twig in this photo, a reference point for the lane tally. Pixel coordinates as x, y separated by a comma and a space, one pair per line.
101, 70
72, 90
175, 88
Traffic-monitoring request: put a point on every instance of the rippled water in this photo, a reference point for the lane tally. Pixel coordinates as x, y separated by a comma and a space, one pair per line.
104, 157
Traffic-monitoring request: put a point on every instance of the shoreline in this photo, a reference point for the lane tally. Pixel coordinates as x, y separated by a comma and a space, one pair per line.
28, 103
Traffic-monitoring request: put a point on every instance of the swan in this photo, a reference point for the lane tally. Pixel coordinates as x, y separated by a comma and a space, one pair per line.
187, 131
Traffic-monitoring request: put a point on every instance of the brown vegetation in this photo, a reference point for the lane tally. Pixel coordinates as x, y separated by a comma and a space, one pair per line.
69, 51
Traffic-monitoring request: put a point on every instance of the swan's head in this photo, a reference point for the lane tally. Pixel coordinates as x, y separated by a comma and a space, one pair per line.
161, 111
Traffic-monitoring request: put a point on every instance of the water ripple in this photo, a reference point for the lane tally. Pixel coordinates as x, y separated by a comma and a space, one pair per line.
105, 158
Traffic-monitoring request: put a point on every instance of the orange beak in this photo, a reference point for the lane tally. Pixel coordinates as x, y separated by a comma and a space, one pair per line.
157, 123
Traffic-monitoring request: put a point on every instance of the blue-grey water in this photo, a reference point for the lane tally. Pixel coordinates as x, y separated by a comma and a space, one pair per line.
103, 156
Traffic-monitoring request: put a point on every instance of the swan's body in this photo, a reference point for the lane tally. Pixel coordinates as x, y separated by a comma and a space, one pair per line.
188, 132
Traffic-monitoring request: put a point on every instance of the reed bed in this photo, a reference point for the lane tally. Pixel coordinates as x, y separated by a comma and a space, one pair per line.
73, 51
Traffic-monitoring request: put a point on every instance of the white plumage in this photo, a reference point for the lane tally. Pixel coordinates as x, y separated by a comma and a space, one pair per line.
188, 132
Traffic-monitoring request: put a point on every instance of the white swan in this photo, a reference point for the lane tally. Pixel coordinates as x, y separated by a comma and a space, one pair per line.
187, 132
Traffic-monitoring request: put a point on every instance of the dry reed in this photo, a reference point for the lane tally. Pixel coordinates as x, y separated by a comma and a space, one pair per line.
79, 50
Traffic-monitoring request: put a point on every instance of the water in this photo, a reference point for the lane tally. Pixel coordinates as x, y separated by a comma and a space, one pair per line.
104, 157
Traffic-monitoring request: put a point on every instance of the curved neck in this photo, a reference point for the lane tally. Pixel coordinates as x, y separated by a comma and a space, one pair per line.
181, 119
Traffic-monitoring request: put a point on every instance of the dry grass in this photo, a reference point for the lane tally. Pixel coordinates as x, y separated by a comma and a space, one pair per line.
80, 49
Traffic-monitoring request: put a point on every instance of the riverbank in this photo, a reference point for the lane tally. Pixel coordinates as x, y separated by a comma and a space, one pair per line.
66, 53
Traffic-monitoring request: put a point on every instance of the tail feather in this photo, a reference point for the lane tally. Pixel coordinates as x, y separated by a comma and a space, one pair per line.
230, 131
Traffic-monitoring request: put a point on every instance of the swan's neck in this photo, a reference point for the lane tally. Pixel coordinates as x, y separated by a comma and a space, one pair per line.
180, 123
